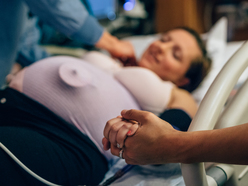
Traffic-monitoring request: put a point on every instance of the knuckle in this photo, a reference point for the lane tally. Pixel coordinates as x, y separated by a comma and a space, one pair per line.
119, 139
130, 112
114, 128
147, 116
109, 123
126, 125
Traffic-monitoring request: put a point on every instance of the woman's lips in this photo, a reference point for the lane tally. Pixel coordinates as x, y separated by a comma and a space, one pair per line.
152, 57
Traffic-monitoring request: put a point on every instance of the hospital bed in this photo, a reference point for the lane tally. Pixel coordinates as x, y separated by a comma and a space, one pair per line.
217, 110
214, 112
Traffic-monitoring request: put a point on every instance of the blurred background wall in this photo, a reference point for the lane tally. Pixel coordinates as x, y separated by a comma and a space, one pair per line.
141, 17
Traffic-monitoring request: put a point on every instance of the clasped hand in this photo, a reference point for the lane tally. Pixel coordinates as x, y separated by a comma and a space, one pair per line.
143, 137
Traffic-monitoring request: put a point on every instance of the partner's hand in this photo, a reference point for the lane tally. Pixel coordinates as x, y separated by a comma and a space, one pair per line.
153, 142
119, 49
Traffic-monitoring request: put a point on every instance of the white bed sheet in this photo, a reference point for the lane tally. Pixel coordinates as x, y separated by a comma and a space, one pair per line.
148, 175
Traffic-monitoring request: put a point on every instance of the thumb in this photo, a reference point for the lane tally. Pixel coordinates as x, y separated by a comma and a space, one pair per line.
140, 116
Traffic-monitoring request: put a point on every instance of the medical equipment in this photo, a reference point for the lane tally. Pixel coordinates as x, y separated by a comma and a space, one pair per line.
24, 167
242, 174
117, 175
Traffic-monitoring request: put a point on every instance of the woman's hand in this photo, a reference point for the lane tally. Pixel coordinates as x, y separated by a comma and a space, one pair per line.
152, 143
117, 130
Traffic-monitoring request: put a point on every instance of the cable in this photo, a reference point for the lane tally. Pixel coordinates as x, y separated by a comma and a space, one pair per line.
118, 174
24, 167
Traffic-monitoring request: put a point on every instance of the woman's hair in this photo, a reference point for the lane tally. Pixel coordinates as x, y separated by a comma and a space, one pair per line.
199, 67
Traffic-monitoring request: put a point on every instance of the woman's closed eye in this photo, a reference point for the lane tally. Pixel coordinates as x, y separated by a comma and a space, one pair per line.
176, 50
165, 38
177, 53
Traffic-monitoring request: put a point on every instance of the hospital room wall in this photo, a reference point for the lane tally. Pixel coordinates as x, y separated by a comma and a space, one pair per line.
201, 15
174, 13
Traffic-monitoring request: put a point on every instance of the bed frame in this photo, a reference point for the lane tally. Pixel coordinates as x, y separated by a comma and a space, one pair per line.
213, 114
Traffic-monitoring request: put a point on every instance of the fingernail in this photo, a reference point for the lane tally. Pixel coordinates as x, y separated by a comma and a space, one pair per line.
129, 132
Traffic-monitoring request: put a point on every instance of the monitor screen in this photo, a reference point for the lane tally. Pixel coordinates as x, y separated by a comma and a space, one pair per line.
104, 8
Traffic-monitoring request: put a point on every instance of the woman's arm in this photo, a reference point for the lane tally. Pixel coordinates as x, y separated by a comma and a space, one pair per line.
182, 99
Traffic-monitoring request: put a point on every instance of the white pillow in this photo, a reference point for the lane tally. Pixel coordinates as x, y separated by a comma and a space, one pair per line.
216, 42
141, 43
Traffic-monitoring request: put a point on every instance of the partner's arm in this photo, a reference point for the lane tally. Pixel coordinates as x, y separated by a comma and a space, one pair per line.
72, 19
228, 145
156, 142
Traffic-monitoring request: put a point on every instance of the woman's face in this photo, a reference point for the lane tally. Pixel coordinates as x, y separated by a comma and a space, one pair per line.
171, 56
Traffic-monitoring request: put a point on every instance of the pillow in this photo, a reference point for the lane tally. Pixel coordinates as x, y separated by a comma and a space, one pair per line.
140, 43
83, 95
216, 42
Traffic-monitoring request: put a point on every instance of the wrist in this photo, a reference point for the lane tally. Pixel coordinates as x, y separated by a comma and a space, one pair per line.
107, 42
186, 147
175, 147
182, 147
195, 146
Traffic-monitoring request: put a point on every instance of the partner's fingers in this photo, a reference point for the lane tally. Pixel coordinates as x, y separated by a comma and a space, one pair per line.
137, 115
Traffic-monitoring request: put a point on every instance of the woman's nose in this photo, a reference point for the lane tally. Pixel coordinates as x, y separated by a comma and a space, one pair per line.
167, 45
163, 47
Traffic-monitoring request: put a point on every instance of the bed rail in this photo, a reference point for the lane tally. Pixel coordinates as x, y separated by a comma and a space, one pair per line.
212, 105
235, 112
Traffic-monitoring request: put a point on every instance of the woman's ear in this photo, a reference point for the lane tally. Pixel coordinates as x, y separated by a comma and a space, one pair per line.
182, 82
